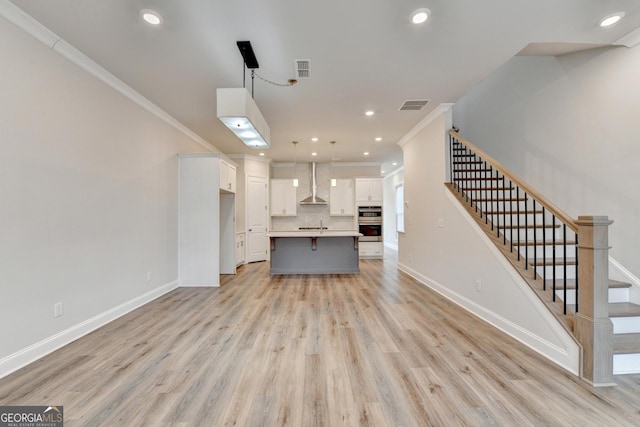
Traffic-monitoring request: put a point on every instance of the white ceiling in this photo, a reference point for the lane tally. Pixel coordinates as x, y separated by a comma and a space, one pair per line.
364, 55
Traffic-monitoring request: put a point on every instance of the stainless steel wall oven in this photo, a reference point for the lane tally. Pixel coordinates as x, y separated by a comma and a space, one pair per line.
370, 223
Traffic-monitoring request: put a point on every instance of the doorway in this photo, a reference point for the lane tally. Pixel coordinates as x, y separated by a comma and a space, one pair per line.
257, 218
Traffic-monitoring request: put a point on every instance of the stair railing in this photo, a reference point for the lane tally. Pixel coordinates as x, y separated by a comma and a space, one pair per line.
510, 208
526, 221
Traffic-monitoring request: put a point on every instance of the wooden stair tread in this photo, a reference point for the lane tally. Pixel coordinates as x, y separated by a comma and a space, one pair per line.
626, 343
549, 261
509, 213
618, 284
488, 188
571, 284
546, 243
528, 226
624, 309
508, 199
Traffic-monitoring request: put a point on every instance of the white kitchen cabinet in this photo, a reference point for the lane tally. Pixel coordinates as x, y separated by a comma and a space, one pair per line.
206, 222
369, 190
341, 198
240, 257
370, 249
284, 200
227, 177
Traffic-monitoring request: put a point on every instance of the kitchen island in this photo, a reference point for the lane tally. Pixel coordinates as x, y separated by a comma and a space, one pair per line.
314, 252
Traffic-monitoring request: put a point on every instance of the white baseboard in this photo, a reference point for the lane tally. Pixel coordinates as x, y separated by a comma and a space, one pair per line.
568, 357
40, 349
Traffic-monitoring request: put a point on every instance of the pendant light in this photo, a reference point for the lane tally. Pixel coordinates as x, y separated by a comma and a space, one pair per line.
334, 182
295, 161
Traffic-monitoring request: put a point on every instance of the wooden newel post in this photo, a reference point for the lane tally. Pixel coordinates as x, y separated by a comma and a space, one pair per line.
593, 328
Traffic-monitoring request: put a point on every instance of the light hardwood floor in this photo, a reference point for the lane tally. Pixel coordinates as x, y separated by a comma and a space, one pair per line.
373, 349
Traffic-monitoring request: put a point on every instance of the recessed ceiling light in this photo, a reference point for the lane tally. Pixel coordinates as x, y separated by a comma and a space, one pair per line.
262, 154
394, 164
420, 15
366, 153
314, 139
369, 113
611, 19
151, 17
378, 139
314, 154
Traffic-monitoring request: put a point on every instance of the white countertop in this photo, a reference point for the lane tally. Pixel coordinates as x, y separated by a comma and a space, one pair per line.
315, 233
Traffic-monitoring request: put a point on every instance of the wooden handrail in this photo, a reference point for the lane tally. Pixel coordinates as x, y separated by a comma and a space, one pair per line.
570, 222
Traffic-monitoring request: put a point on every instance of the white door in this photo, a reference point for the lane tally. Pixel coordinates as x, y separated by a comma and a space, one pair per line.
257, 217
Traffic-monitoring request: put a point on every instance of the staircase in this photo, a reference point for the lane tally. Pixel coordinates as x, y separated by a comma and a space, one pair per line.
544, 246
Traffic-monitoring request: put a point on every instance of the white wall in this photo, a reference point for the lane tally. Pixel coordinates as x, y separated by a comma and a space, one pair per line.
88, 190
452, 258
569, 126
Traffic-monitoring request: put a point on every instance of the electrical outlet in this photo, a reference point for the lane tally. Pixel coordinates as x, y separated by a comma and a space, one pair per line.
57, 309
479, 285
148, 276
440, 222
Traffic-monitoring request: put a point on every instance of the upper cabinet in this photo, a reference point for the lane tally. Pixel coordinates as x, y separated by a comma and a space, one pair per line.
341, 202
227, 177
283, 198
369, 190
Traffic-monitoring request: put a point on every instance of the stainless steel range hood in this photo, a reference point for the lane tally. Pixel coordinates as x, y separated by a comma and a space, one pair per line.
313, 199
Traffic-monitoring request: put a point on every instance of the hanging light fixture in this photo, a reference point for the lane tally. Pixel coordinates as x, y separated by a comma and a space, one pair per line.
239, 112
295, 161
334, 182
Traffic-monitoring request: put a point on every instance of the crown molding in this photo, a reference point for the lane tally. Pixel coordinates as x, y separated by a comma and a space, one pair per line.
28, 24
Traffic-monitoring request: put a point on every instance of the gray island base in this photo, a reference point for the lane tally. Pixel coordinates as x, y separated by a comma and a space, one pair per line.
314, 253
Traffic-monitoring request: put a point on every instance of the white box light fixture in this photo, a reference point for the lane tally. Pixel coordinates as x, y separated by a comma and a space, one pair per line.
240, 113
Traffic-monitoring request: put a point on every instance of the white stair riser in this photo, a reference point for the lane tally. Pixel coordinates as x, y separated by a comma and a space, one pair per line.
527, 234
626, 325
560, 272
615, 294
619, 295
547, 252
626, 364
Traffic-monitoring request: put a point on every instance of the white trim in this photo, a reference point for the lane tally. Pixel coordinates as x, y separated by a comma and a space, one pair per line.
21, 358
434, 114
25, 22
630, 40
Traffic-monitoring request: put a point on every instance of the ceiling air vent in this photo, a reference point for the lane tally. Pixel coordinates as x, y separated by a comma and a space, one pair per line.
414, 104
303, 68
